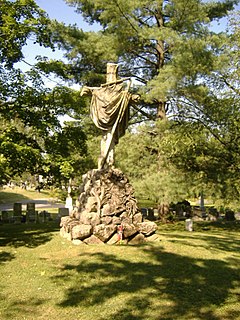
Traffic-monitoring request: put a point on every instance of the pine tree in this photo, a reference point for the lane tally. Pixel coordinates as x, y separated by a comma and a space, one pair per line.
167, 46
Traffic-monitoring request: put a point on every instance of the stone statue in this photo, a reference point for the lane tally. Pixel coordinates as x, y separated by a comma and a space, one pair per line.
110, 111
106, 210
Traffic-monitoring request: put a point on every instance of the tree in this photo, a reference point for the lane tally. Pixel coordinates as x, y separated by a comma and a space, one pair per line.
20, 20
29, 112
182, 69
70, 158
165, 45
150, 168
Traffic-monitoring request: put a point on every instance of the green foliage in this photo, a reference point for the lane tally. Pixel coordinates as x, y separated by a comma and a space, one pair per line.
149, 165
20, 20
66, 153
165, 45
184, 71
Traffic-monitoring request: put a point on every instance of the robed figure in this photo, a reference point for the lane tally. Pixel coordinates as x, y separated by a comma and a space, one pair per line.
110, 111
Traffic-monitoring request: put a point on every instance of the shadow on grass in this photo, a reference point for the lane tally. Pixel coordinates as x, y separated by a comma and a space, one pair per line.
10, 197
212, 242
6, 256
29, 235
23, 308
166, 286
219, 235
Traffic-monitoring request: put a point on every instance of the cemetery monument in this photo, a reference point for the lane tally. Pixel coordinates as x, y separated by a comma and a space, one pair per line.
106, 210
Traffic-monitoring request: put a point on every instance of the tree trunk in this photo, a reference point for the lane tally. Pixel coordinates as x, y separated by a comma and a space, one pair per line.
161, 110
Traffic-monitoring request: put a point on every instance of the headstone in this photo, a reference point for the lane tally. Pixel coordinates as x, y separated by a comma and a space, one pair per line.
44, 216
106, 204
17, 209
150, 215
5, 216
17, 212
31, 214
31, 207
144, 212
237, 216
189, 224
63, 212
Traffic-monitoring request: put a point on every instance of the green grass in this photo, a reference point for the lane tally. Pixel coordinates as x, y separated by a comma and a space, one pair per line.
185, 275
9, 195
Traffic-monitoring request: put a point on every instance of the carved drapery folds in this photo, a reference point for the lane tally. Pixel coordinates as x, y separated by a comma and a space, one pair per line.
109, 108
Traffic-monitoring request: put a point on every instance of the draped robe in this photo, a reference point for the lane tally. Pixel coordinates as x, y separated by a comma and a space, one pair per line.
109, 109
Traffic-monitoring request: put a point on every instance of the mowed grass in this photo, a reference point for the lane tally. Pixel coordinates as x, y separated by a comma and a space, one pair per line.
8, 195
184, 275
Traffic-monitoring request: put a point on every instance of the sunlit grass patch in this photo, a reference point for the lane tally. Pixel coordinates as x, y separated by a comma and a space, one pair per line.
185, 275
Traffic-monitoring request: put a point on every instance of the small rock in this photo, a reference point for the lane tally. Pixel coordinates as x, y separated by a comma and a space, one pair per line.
92, 218
77, 242
106, 220
137, 218
129, 230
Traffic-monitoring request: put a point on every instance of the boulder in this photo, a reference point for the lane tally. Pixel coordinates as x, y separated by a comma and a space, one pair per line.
114, 239
116, 220
92, 218
65, 221
138, 239
147, 228
91, 205
137, 218
65, 234
93, 240
125, 218
107, 210
106, 220
129, 230
104, 232
81, 231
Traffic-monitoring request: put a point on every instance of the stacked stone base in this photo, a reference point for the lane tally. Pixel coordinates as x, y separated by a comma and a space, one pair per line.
107, 212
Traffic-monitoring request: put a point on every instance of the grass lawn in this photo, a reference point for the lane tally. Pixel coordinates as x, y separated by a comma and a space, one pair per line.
9, 195
183, 276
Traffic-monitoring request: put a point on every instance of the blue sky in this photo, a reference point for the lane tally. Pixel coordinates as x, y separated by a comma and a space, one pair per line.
59, 10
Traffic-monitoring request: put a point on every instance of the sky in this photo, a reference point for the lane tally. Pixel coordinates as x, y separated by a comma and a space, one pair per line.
59, 10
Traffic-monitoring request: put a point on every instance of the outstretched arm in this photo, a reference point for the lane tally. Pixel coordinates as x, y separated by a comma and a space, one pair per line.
87, 90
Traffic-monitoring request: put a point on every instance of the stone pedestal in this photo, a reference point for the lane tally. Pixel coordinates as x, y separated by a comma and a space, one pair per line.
106, 205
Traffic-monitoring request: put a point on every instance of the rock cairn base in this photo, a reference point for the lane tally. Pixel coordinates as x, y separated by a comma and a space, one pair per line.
106, 212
